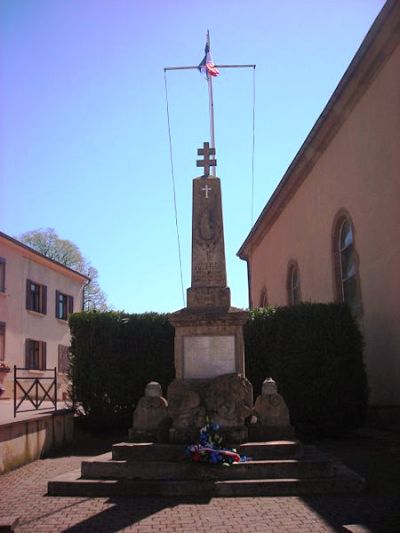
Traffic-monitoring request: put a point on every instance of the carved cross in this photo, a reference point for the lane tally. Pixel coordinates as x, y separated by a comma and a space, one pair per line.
206, 151
206, 190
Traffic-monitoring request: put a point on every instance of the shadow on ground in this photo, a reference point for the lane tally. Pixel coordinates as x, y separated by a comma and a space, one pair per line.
376, 456
127, 512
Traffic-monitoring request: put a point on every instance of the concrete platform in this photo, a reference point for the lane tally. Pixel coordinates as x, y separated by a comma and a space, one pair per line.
163, 470
33, 435
23, 493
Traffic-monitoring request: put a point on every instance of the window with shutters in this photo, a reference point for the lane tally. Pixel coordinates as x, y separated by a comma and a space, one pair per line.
2, 274
2, 340
36, 297
63, 359
64, 305
35, 354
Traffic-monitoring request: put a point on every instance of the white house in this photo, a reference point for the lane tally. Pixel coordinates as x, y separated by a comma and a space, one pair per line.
36, 296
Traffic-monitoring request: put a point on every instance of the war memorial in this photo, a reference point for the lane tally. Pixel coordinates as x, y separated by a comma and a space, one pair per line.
210, 389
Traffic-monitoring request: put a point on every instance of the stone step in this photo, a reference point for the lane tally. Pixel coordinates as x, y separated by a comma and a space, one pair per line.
106, 468
148, 451
176, 452
288, 449
277, 468
71, 484
344, 481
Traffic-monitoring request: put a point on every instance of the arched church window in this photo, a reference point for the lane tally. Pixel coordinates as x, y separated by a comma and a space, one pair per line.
348, 267
293, 284
346, 264
263, 302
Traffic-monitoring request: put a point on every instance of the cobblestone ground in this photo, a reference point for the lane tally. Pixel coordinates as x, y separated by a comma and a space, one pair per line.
377, 510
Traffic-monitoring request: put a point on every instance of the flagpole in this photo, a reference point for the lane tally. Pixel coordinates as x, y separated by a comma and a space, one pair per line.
211, 108
196, 67
210, 88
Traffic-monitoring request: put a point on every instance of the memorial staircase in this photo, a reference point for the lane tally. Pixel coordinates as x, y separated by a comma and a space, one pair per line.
145, 469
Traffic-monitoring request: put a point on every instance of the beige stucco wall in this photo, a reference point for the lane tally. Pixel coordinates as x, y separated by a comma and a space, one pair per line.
23, 324
359, 171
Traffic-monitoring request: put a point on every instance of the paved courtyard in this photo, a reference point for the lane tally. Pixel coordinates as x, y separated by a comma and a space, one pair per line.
376, 455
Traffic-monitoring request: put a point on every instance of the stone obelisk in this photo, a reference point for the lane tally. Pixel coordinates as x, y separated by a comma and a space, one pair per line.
209, 348
209, 287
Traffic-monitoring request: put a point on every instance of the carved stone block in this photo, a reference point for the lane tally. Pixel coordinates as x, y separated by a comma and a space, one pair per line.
150, 418
226, 400
229, 400
272, 415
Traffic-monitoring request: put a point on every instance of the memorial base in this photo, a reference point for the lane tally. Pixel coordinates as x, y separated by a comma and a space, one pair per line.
226, 400
231, 436
208, 342
183, 436
155, 435
259, 433
234, 436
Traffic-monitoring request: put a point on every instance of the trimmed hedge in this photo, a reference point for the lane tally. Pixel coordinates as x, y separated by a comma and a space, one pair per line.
113, 356
313, 351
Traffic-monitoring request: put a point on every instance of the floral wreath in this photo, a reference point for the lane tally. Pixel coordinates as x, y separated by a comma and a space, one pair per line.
209, 449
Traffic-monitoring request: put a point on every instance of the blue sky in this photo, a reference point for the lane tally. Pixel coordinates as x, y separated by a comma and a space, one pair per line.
83, 128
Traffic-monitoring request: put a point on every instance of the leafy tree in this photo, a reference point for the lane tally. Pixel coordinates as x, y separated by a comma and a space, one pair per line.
47, 242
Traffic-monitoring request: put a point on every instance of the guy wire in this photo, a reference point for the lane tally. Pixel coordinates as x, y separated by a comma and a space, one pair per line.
253, 147
174, 189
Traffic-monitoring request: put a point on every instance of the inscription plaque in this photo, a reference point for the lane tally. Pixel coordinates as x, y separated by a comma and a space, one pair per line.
208, 356
209, 270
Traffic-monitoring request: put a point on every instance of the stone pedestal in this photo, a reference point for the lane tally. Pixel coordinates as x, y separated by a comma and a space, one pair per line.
208, 332
208, 343
209, 347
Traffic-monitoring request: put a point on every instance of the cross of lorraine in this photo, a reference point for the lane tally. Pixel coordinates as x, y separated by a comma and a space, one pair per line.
206, 152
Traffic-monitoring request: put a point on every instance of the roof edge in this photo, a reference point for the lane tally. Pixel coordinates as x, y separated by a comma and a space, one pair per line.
335, 111
34, 252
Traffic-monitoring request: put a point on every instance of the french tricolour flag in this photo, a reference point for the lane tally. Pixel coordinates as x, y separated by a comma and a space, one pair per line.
207, 67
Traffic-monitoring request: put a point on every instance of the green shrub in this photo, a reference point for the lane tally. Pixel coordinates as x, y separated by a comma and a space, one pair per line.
315, 353
259, 336
113, 356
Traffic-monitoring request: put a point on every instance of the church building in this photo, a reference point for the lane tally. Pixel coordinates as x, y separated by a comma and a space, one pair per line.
331, 229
